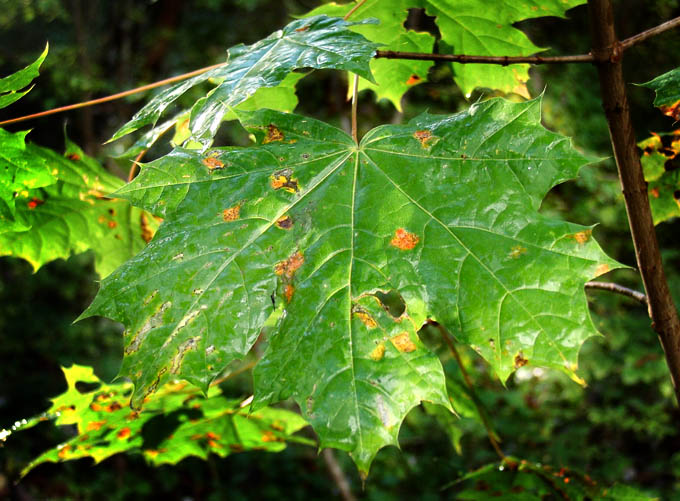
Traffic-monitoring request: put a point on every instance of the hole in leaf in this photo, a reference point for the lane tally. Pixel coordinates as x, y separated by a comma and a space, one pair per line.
392, 302
84, 387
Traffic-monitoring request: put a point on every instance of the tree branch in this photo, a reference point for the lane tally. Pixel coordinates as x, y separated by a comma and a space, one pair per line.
466, 59
615, 102
641, 37
338, 475
619, 289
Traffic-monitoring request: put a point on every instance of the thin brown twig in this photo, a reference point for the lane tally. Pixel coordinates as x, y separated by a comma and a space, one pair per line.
235, 373
619, 289
468, 382
135, 163
354, 9
641, 37
113, 97
502, 60
338, 475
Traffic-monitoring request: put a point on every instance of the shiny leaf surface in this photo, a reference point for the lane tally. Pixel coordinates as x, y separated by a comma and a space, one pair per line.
73, 213
667, 89
318, 42
177, 422
13, 87
442, 210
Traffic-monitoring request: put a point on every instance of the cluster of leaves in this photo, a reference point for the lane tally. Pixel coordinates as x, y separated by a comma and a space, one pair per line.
660, 159
54, 205
178, 421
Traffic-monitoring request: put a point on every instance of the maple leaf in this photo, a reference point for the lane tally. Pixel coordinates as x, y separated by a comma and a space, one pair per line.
442, 210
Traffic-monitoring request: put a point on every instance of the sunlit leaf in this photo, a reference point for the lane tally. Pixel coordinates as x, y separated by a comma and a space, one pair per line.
13, 87
667, 89
442, 210
661, 164
318, 42
177, 422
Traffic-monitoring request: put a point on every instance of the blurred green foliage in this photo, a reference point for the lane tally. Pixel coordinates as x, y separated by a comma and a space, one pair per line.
621, 428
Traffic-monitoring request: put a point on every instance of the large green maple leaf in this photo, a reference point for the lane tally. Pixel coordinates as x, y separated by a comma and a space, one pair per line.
177, 422
318, 42
442, 210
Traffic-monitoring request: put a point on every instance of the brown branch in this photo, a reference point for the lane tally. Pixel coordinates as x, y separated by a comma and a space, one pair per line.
113, 97
641, 37
502, 60
619, 289
234, 373
661, 309
338, 475
468, 382
354, 9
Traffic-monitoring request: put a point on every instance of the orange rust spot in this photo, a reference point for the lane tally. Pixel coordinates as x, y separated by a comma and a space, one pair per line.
520, 361
290, 290
147, 232
268, 436
34, 203
601, 270
112, 224
285, 223
213, 163
517, 251
413, 79
424, 137
582, 236
95, 407
132, 416
403, 343
365, 318
655, 192
378, 352
73, 156
404, 240
273, 134
124, 433
213, 444
276, 425
290, 265
212, 436
63, 452
672, 111
95, 425
232, 213
115, 406
284, 179
304, 28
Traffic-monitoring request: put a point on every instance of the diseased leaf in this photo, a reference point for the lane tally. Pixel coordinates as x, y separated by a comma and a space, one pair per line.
177, 422
661, 166
74, 213
441, 211
667, 89
392, 77
318, 42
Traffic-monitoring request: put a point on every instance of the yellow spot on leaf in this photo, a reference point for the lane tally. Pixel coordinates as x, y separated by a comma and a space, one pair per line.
404, 240
582, 236
365, 318
232, 213
403, 343
378, 352
95, 425
425, 137
285, 223
601, 269
123, 433
517, 251
273, 134
213, 163
268, 436
147, 232
672, 110
284, 179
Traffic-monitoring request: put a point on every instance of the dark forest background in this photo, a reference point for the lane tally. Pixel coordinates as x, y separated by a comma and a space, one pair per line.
622, 428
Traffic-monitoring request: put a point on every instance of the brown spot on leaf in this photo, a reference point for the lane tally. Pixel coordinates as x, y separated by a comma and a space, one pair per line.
63, 452
655, 192
147, 232
268, 436
364, 316
232, 213
404, 240
403, 343
284, 179
672, 110
517, 251
304, 28
73, 156
95, 425
424, 137
213, 163
273, 134
413, 79
124, 433
112, 224
582, 236
520, 361
290, 265
290, 290
378, 352
285, 223
34, 202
